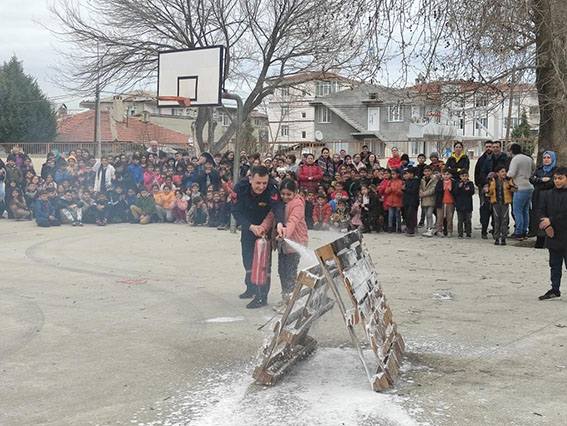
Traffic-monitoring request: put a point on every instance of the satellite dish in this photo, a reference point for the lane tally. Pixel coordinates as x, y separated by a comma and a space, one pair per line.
318, 135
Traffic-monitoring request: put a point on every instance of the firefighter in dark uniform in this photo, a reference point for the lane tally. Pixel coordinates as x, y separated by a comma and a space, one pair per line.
253, 198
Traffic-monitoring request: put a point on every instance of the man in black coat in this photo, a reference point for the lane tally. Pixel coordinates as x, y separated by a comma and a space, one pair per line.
481, 179
253, 199
553, 213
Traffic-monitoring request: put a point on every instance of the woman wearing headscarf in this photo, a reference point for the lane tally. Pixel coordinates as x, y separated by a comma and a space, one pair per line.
542, 180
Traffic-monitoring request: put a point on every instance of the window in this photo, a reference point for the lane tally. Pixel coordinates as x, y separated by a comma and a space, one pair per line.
303, 134
285, 91
324, 88
480, 101
323, 115
303, 115
395, 113
481, 126
225, 119
285, 112
514, 122
257, 122
284, 131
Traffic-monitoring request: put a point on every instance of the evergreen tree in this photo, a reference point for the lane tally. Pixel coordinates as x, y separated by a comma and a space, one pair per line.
26, 115
523, 130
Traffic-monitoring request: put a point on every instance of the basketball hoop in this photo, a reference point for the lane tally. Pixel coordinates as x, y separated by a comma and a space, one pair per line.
184, 102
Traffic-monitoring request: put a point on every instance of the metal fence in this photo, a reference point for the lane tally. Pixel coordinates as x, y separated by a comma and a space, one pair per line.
381, 149
42, 148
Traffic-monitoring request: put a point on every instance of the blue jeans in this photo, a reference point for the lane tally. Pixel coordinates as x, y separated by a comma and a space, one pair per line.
394, 218
521, 209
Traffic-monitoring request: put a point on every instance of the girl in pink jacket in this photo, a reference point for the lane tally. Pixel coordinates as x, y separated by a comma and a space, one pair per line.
179, 206
295, 230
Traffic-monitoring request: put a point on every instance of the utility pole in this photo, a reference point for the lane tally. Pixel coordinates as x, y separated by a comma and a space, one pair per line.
97, 134
510, 102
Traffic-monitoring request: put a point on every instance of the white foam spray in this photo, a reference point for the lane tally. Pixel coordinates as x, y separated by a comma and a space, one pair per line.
307, 255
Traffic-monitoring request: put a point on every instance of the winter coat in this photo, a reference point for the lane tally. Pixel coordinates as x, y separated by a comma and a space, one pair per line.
42, 210
553, 205
322, 213
327, 165
429, 198
212, 178
179, 203
150, 178
355, 212
164, 200
479, 175
295, 225
508, 192
108, 177
198, 215
394, 194
14, 173
146, 204
464, 196
440, 192
382, 192
394, 163
310, 170
540, 187
411, 193
457, 163
137, 173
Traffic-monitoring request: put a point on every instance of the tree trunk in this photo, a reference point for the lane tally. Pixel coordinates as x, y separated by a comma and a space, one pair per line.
200, 123
550, 19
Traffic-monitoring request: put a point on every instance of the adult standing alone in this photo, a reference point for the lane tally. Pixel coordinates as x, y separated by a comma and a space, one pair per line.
542, 180
253, 199
522, 167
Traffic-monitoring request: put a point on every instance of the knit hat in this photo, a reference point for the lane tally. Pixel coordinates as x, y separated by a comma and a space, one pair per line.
434, 154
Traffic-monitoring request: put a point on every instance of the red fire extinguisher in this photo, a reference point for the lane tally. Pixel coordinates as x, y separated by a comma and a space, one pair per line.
261, 262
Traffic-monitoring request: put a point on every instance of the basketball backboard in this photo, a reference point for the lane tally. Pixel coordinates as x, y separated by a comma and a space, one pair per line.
191, 73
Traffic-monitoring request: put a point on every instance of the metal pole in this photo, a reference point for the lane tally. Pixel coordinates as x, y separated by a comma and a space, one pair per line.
236, 162
97, 108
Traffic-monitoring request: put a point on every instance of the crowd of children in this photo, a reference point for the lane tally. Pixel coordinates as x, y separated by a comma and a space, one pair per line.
142, 188
340, 192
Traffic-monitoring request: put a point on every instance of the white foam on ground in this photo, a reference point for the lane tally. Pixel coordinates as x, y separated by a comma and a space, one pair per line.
225, 319
330, 388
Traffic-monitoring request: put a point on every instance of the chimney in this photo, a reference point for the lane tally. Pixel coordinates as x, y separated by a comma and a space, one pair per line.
145, 116
117, 108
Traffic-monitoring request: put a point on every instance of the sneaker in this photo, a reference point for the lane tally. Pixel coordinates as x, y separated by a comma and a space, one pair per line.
503, 242
222, 228
469, 236
551, 294
449, 235
257, 303
279, 307
420, 224
248, 294
460, 236
80, 223
496, 242
484, 236
98, 222
411, 234
105, 221
428, 233
75, 223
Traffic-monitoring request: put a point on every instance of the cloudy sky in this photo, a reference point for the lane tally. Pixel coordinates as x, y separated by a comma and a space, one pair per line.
22, 34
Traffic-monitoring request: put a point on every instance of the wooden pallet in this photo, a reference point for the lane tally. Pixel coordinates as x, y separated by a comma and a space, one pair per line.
345, 267
310, 300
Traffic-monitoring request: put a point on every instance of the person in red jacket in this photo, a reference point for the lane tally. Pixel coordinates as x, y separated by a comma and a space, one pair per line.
393, 198
322, 213
310, 174
396, 161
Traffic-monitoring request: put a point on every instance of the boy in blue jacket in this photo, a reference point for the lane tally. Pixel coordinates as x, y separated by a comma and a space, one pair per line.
463, 192
44, 212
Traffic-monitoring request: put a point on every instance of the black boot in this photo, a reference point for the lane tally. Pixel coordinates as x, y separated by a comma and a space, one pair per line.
260, 299
248, 294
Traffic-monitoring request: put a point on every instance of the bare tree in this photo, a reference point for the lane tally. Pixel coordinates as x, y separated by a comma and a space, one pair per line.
265, 40
484, 42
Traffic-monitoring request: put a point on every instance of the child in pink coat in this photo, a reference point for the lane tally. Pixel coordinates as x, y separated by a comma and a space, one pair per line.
179, 206
295, 230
